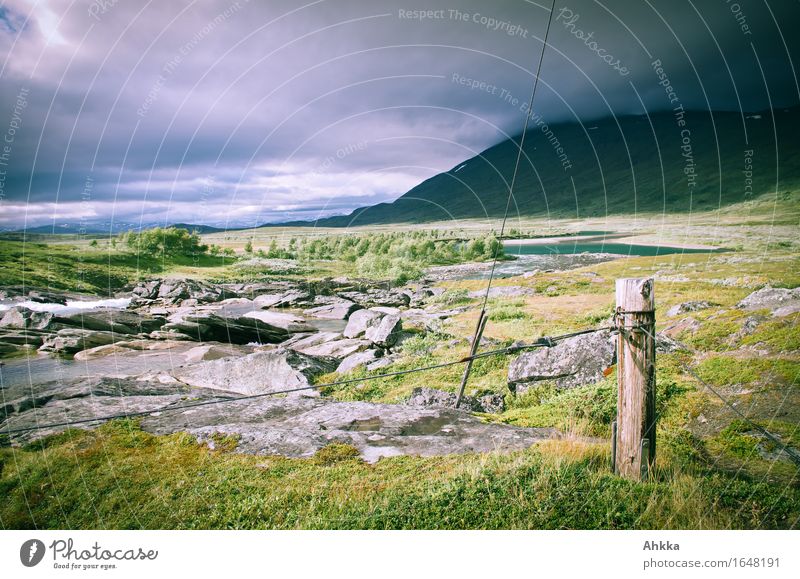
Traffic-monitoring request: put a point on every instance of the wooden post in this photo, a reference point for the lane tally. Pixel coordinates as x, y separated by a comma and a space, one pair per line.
476, 342
636, 375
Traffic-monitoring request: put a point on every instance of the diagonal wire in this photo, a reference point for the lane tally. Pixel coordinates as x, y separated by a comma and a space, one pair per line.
528, 114
790, 452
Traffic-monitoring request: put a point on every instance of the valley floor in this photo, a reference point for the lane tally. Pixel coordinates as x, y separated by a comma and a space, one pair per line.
714, 470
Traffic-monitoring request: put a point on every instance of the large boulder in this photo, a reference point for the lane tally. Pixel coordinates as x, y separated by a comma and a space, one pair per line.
360, 322
209, 327
570, 363
20, 317
257, 373
386, 333
780, 301
111, 320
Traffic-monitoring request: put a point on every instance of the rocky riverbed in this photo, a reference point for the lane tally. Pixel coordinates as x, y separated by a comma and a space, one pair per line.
168, 350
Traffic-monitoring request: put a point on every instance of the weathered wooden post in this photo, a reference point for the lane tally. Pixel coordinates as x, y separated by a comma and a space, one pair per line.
635, 440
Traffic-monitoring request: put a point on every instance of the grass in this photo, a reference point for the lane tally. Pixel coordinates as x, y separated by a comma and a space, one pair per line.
120, 477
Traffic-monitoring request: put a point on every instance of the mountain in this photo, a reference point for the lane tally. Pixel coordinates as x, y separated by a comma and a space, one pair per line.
618, 165
200, 228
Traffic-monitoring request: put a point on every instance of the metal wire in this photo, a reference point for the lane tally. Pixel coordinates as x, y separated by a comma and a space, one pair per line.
543, 342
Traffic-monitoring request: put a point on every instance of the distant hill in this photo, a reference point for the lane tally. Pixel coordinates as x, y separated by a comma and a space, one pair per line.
609, 166
202, 229
99, 229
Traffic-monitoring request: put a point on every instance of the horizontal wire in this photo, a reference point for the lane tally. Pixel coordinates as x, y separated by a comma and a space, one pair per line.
543, 342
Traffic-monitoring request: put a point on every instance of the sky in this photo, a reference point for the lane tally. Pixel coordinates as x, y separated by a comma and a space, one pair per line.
238, 113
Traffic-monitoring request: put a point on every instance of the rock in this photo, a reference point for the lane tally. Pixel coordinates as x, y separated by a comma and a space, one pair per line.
378, 297
687, 307
208, 327
289, 322
300, 341
290, 299
337, 349
358, 360
147, 289
339, 310
177, 291
290, 426
71, 340
257, 373
488, 403
299, 427
511, 291
360, 321
666, 345
386, 360
86, 398
781, 301
570, 363
111, 320
212, 352
169, 335
22, 318
101, 351
386, 333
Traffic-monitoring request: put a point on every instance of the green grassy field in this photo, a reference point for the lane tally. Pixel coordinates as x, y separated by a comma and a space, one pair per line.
713, 470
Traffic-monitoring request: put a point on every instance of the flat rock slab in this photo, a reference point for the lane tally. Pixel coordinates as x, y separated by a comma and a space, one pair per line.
288, 426
298, 427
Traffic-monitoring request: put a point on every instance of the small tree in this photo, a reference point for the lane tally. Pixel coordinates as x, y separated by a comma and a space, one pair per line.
248, 247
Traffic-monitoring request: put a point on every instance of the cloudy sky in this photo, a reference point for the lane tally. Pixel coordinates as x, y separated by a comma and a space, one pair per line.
244, 112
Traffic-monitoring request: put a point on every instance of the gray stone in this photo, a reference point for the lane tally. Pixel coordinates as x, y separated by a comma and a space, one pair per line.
360, 322
358, 360
299, 427
337, 349
488, 403
338, 310
666, 345
378, 297
290, 299
301, 341
111, 320
257, 373
780, 301
71, 340
205, 327
22, 318
288, 426
213, 352
572, 362
289, 322
386, 333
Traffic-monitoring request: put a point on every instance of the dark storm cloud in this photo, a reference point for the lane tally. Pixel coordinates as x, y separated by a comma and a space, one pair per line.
244, 112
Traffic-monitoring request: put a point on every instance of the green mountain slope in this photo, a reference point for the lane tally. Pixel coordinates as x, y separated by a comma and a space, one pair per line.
610, 166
